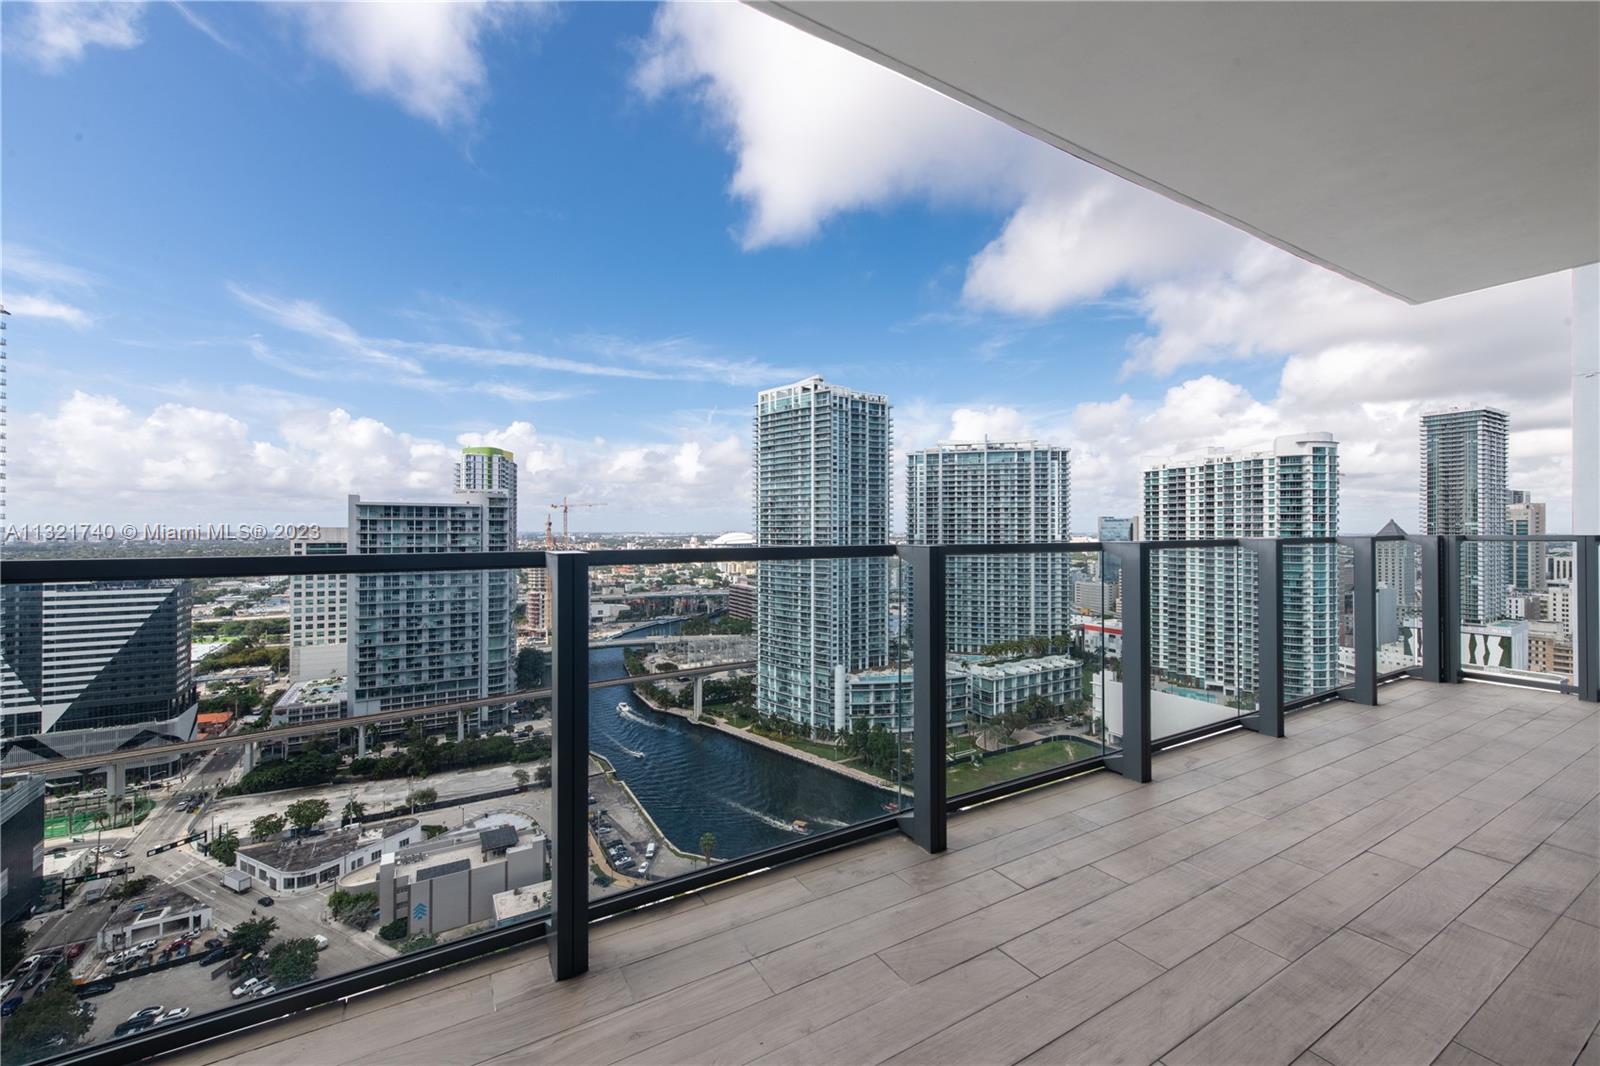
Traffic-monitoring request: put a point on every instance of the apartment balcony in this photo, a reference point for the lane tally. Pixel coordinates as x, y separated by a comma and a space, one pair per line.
1405, 883
1193, 862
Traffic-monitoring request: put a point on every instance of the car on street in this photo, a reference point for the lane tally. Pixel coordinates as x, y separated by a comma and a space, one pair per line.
176, 1014
265, 901
5, 987
321, 942
31, 960
9, 1007
120, 853
75, 950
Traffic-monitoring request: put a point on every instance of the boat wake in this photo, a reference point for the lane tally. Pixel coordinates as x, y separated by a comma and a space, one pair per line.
832, 823
766, 819
631, 715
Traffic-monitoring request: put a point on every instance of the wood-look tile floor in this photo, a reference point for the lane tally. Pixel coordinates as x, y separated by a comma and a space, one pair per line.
1409, 883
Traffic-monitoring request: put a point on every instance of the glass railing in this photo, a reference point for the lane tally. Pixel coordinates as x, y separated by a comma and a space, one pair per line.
739, 732
1033, 655
1518, 610
231, 810
1318, 618
1202, 632
1399, 623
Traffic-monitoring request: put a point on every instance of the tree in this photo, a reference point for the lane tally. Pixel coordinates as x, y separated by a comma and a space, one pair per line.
520, 776
422, 797
541, 775
292, 962
708, 844
225, 848
252, 934
353, 811
351, 908
268, 825
48, 1016
13, 945
305, 814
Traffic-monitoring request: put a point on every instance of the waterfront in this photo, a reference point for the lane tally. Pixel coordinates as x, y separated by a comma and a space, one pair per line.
695, 780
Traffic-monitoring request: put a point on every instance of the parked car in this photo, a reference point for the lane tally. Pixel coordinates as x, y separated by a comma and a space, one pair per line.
322, 942
133, 1025
9, 1007
264, 990
95, 988
5, 987
148, 1012
176, 1014
265, 901
245, 987
213, 944
213, 956
75, 950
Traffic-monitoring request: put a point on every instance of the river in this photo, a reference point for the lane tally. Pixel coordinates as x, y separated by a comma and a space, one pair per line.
694, 780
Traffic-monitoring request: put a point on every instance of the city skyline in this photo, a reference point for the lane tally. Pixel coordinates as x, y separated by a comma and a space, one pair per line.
303, 324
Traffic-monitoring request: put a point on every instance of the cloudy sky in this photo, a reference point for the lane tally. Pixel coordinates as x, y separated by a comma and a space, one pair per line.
260, 257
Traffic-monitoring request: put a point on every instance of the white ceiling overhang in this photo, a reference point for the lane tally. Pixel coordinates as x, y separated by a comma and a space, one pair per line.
1425, 149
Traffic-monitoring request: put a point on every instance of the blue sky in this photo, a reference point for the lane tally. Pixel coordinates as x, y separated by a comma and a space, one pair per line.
259, 257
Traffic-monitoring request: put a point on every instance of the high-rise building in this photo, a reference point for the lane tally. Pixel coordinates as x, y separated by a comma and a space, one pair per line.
319, 625
1203, 601
485, 469
1396, 566
94, 667
995, 493
821, 466
1463, 490
1525, 517
423, 638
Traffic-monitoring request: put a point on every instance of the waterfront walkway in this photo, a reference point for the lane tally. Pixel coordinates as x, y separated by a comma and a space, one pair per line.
1409, 883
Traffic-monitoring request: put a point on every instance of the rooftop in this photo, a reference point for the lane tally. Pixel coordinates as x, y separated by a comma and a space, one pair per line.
1388, 884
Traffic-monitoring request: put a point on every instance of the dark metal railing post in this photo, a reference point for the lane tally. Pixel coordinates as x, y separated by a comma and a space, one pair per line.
1450, 609
925, 823
1430, 608
1133, 761
1364, 596
569, 755
1586, 617
1268, 719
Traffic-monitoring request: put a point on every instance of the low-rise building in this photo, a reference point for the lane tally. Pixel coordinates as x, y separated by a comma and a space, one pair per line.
301, 863
320, 700
999, 688
158, 915
883, 698
458, 879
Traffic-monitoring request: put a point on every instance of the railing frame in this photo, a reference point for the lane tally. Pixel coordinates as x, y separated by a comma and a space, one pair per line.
572, 911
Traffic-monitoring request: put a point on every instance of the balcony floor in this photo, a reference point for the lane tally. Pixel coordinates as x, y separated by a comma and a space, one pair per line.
1410, 883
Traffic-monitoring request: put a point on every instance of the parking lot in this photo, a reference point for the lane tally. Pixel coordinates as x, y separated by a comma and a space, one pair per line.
189, 986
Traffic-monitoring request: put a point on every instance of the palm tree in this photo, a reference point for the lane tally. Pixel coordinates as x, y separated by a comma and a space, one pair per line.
708, 844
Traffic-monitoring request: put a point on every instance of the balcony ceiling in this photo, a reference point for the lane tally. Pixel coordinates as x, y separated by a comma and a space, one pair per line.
1425, 149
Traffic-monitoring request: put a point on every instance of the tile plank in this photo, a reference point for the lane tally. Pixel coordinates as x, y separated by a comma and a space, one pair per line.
1550, 1002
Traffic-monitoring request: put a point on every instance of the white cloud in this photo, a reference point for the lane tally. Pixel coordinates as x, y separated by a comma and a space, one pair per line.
23, 305
182, 463
428, 57
54, 35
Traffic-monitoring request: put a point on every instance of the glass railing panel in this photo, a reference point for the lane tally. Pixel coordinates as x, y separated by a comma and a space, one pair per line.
1527, 631
1032, 647
1318, 621
1202, 617
1399, 619
768, 709
222, 815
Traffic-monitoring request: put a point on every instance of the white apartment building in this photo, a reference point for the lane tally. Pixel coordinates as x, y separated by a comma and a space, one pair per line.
422, 638
821, 468
996, 493
1203, 605
483, 469
318, 622
1463, 490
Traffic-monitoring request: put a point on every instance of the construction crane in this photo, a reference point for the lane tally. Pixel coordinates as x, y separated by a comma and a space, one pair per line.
565, 506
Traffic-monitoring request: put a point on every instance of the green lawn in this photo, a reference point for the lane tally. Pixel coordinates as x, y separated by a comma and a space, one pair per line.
826, 751
964, 777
